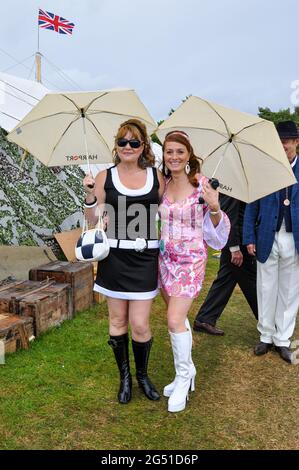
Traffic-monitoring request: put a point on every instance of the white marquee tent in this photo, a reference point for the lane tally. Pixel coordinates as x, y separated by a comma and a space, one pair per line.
17, 97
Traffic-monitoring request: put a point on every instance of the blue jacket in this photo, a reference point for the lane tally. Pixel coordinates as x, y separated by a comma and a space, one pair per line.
260, 221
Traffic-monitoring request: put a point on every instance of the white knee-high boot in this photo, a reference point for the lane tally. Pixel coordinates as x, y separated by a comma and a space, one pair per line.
168, 389
184, 380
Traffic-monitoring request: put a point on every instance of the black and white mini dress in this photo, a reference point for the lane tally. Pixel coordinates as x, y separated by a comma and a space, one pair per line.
131, 269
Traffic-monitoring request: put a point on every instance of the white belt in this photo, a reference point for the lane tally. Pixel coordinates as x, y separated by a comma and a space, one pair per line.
139, 244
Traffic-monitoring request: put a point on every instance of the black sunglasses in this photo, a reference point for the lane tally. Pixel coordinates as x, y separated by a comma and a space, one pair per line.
134, 143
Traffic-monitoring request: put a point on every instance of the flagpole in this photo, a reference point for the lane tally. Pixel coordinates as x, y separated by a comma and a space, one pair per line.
38, 57
37, 34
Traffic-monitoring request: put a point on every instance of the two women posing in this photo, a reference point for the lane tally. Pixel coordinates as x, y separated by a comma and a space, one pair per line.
128, 277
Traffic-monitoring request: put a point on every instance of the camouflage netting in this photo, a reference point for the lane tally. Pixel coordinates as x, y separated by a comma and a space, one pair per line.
37, 201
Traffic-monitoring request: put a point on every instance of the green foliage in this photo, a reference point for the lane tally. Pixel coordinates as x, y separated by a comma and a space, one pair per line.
281, 115
155, 138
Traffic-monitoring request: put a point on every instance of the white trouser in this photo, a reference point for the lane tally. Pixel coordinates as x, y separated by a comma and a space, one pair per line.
278, 291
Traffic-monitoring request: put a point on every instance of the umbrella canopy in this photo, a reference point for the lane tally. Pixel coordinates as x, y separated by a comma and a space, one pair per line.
243, 151
78, 127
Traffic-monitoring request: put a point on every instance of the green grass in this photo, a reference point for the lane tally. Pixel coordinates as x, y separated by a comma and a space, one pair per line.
61, 393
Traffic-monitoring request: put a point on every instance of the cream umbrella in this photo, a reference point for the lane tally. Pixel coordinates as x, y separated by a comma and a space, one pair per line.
242, 151
78, 127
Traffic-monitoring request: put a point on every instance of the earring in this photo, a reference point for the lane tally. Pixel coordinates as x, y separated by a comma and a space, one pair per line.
166, 171
187, 168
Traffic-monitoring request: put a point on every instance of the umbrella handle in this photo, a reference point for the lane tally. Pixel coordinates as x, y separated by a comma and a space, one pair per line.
214, 183
85, 143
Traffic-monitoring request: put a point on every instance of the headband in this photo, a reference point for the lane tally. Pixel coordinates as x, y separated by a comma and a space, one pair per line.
182, 133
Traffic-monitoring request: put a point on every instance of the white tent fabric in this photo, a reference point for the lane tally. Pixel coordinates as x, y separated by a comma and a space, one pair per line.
17, 97
157, 149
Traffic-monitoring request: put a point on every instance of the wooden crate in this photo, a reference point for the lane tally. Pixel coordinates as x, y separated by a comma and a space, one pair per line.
11, 292
48, 303
78, 275
49, 307
15, 332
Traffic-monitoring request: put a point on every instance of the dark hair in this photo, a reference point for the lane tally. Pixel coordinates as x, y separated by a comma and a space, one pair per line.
138, 131
194, 161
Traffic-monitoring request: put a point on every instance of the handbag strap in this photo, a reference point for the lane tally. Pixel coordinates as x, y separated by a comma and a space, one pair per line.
99, 225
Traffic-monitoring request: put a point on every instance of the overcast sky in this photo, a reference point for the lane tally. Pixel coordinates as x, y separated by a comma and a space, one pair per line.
242, 54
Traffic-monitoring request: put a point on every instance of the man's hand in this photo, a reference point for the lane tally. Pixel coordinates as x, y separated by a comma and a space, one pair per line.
237, 258
251, 249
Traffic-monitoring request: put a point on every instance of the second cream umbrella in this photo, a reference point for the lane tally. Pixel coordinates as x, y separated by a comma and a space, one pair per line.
242, 151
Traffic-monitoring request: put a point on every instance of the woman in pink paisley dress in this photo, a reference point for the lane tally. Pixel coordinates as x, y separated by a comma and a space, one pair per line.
187, 229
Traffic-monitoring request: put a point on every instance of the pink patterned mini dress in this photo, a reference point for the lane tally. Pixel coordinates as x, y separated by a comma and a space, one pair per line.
186, 233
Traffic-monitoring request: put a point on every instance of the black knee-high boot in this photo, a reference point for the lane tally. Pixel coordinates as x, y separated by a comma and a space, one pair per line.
141, 353
119, 345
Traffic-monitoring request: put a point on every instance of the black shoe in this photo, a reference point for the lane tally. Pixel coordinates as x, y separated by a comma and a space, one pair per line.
207, 328
141, 353
119, 345
285, 353
262, 348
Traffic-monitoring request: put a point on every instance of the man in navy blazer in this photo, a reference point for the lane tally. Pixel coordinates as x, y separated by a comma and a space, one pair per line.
236, 267
271, 233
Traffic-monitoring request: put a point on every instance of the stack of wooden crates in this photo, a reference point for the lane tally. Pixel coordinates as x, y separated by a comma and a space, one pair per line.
54, 293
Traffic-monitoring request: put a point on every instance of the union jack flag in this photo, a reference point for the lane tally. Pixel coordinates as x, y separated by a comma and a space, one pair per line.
53, 22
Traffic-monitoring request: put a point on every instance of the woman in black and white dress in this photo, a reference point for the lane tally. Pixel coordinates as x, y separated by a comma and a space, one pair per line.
130, 193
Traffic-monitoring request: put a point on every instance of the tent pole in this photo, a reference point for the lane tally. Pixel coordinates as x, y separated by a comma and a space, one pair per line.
38, 65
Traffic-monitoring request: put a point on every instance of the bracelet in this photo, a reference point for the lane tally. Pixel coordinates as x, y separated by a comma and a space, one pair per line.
89, 205
215, 212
